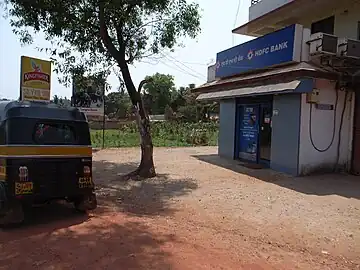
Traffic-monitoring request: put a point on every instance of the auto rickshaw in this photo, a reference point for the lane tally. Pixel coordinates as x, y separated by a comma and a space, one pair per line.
45, 155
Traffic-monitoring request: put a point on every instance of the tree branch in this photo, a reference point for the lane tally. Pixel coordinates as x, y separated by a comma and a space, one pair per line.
147, 24
132, 57
143, 82
109, 45
119, 37
141, 27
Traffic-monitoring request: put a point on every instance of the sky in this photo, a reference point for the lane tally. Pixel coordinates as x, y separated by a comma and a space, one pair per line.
188, 64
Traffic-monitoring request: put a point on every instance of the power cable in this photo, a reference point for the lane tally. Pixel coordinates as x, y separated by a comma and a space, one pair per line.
181, 70
174, 59
334, 126
194, 63
236, 16
339, 132
178, 68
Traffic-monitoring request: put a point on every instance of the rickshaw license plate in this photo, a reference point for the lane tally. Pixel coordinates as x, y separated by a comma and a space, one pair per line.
23, 188
85, 182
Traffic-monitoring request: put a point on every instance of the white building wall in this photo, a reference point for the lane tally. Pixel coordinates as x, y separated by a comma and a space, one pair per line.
346, 20
311, 160
346, 14
346, 23
265, 6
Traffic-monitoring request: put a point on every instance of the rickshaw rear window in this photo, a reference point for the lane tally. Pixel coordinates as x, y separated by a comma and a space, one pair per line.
54, 133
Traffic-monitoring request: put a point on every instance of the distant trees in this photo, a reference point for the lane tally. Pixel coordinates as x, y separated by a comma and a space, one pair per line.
117, 105
159, 92
160, 96
61, 101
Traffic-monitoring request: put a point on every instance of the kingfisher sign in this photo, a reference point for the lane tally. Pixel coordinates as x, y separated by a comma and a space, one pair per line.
280, 47
35, 79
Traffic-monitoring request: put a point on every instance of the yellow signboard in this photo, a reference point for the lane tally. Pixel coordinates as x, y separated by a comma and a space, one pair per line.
35, 79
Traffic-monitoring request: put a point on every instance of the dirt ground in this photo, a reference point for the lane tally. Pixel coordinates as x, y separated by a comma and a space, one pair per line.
200, 212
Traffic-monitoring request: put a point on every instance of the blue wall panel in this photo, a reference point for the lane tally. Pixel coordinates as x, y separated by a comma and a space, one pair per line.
227, 128
286, 133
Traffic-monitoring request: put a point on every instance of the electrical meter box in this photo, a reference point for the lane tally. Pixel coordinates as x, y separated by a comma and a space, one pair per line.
313, 97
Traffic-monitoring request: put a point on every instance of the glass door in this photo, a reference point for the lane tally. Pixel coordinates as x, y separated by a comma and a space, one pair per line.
248, 130
265, 132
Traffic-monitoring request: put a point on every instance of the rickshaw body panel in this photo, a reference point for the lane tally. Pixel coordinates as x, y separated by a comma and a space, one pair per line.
35, 167
48, 177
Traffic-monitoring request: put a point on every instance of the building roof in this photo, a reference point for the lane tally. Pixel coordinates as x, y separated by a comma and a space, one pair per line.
276, 74
294, 86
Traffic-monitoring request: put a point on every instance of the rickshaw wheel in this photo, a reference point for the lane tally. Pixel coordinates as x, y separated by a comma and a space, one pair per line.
85, 203
14, 215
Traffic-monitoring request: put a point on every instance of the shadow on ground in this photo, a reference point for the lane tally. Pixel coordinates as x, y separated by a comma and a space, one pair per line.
339, 184
100, 244
56, 237
150, 197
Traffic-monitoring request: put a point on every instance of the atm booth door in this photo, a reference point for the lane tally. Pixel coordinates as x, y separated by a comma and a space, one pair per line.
247, 133
254, 133
265, 127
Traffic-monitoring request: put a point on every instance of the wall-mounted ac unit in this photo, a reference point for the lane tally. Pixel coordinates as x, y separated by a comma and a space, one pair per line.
323, 44
349, 48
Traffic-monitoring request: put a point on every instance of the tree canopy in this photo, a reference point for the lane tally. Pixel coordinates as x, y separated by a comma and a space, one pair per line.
94, 34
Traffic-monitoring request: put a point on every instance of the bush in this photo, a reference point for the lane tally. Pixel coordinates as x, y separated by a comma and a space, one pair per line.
169, 113
164, 134
188, 113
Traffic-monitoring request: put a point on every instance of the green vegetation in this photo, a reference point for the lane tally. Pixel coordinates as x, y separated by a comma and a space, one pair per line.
165, 134
160, 96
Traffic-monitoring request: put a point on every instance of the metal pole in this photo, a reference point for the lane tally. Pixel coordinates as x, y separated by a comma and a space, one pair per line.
104, 120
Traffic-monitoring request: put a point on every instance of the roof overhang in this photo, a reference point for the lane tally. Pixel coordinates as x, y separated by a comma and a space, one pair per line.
295, 86
278, 80
268, 22
275, 74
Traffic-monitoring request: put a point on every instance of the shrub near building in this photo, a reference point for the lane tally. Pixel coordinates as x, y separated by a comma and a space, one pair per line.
165, 134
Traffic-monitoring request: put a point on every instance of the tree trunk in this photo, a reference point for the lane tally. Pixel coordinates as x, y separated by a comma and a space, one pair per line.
146, 168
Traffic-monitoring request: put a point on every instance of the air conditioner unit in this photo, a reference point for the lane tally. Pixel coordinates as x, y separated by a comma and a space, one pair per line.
321, 43
349, 48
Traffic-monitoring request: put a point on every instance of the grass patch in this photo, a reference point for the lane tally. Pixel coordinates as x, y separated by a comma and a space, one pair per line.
164, 134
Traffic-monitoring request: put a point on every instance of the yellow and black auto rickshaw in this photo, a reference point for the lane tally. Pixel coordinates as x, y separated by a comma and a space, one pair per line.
45, 155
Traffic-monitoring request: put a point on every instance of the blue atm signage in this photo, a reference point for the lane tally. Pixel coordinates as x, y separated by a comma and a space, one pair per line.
248, 136
280, 47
